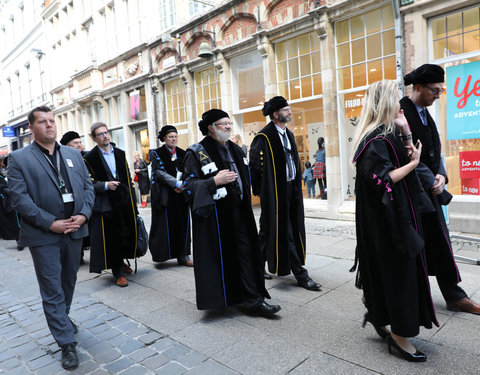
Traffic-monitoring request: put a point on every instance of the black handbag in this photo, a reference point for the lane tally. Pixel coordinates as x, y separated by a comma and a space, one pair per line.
142, 238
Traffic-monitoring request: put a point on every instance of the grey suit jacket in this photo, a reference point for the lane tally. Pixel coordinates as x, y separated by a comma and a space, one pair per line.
38, 200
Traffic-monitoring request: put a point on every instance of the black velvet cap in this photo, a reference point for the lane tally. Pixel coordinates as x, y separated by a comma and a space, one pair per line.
69, 136
273, 105
165, 130
427, 73
209, 117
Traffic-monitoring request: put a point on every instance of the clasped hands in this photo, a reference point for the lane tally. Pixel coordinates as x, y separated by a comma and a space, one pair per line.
69, 225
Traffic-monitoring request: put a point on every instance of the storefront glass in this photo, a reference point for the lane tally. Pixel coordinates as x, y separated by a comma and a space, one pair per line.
455, 42
365, 52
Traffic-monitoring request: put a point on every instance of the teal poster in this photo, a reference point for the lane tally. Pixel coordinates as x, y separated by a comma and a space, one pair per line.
463, 101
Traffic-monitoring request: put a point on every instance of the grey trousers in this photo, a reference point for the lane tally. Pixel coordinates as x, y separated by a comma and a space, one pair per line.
56, 267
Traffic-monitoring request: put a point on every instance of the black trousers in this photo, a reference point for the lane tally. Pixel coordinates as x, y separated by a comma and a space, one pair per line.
296, 267
251, 272
451, 291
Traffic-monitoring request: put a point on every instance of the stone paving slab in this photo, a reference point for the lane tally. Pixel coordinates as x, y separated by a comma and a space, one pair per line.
153, 326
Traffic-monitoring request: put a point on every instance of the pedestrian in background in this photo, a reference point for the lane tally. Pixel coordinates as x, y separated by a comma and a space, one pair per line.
390, 248
237, 139
52, 192
140, 167
308, 180
170, 228
428, 85
9, 221
319, 169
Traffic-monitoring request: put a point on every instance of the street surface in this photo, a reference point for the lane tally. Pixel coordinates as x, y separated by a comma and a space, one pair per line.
154, 327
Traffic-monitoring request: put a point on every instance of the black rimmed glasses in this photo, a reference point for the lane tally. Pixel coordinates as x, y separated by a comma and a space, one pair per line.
229, 123
435, 91
102, 134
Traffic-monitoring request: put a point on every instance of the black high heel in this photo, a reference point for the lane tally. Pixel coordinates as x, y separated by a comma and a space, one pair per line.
415, 357
382, 333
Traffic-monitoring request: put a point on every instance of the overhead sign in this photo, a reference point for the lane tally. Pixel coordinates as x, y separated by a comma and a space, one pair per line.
8, 131
134, 104
463, 101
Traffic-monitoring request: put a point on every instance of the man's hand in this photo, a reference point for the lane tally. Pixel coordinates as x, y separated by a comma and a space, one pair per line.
112, 185
224, 177
179, 189
439, 184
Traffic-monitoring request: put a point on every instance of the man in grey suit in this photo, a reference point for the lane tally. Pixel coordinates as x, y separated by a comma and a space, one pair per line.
52, 192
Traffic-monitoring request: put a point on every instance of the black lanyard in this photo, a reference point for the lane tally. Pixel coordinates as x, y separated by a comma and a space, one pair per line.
61, 182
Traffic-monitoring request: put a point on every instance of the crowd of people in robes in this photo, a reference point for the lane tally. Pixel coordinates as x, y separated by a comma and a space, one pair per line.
203, 195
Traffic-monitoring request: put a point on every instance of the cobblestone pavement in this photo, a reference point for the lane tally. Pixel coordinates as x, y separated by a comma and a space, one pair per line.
153, 327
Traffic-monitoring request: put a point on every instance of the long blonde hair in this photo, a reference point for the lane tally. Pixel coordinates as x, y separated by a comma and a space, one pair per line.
381, 101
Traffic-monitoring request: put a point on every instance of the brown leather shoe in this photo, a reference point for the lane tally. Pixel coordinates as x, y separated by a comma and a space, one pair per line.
128, 270
465, 305
122, 281
187, 263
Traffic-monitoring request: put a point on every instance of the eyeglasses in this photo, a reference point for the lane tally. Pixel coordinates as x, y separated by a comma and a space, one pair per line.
435, 91
223, 123
285, 110
102, 134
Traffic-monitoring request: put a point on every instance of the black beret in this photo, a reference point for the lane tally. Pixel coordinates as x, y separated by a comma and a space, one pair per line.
273, 105
209, 117
427, 73
165, 130
69, 136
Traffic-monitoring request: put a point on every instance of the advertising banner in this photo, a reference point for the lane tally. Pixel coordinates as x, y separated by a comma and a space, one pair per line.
134, 104
8, 131
469, 164
463, 101
470, 186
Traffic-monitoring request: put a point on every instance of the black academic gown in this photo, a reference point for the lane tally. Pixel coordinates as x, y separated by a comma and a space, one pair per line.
9, 220
269, 179
112, 226
170, 228
390, 248
440, 258
216, 257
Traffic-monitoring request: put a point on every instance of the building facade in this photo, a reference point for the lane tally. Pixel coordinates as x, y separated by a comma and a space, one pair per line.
138, 65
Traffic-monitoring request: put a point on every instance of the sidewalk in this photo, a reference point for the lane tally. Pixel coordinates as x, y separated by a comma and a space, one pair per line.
154, 327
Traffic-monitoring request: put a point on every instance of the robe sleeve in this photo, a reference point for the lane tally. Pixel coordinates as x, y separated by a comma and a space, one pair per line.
198, 189
257, 149
375, 165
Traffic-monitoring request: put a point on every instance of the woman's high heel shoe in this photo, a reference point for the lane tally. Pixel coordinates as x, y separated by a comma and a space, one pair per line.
415, 357
382, 333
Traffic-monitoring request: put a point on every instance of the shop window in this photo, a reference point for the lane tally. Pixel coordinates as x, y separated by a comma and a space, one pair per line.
207, 90
361, 39
248, 87
299, 67
175, 102
455, 33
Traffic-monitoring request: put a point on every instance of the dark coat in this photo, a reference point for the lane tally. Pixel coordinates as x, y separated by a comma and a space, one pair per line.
216, 258
113, 226
9, 221
170, 228
390, 247
269, 179
440, 258
143, 180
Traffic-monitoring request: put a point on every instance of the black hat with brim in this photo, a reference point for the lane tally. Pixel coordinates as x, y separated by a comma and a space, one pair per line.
273, 105
209, 117
427, 73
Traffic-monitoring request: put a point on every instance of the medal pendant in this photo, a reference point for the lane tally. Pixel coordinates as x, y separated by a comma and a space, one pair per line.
173, 158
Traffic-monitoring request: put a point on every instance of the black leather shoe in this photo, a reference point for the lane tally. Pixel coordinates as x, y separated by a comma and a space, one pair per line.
410, 357
309, 284
75, 328
69, 356
264, 309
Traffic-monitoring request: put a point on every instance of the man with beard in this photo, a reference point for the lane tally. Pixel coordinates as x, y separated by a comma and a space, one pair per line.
170, 229
276, 178
228, 265
113, 226
428, 85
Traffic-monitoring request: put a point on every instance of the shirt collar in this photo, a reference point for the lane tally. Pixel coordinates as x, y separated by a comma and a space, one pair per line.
280, 130
107, 153
419, 109
45, 151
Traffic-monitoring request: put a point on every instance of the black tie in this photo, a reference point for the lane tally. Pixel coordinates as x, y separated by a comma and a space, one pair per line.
288, 157
423, 116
